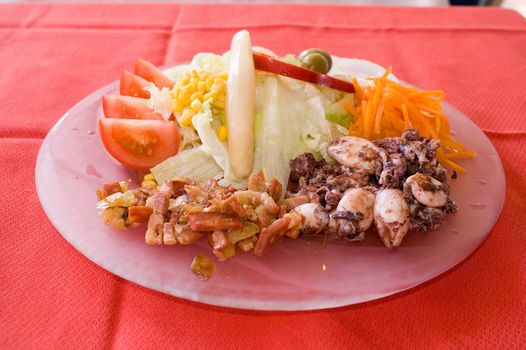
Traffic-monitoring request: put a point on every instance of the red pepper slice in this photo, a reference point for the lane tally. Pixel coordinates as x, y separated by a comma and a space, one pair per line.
272, 65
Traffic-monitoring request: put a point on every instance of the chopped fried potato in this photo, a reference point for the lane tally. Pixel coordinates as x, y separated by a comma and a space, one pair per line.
249, 230
203, 267
169, 234
246, 245
139, 213
226, 253
113, 217
186, 236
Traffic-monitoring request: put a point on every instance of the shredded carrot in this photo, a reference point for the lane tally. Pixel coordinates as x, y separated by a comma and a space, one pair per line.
386, 109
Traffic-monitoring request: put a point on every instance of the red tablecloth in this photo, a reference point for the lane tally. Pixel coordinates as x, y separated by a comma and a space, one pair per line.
54, 55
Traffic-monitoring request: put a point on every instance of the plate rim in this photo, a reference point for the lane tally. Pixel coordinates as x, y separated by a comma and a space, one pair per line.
250, 304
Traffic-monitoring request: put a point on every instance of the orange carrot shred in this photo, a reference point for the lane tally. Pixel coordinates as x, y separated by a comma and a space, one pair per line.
386, 109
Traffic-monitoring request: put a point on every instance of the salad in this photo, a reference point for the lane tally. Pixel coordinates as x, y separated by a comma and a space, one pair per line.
247, 148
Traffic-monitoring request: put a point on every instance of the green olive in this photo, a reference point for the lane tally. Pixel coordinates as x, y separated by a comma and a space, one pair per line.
316, 59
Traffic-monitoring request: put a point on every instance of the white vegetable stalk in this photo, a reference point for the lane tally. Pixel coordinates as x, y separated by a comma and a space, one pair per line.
241, 105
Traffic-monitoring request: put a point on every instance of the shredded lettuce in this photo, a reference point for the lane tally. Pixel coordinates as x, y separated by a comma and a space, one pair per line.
290, 121
206, 127
160, 100
193, 163
189, 138
337, 113
212, 63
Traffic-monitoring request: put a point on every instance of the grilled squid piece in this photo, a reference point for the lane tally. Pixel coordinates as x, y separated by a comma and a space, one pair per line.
427, 190
357, 153
359, 203
315, 218
391, 216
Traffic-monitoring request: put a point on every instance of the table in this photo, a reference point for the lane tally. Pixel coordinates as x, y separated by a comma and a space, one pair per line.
54, 55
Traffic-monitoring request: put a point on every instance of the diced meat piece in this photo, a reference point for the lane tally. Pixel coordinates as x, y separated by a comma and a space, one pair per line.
264, 218
223, 248
231, 206
295, 224
173, 188
197, 194
159, 203
186, 236
110, 188
154, 233
169, 234
209, 185
265, 207
274, 189
282, 211
256, 182
219, 240
142, 195
271, 235
225, 254
246, 245
139, 213
210, 222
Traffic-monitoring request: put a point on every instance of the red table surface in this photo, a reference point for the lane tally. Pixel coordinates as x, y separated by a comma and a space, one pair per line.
54, 55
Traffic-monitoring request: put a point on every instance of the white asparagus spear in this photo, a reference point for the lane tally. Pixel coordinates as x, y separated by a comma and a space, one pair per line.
241, 105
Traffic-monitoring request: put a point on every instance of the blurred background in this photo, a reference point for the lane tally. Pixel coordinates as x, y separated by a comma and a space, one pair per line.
518, 5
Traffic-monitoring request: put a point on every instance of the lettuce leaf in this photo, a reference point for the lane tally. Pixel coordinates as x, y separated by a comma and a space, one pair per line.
290, 121
193, 163
206, 126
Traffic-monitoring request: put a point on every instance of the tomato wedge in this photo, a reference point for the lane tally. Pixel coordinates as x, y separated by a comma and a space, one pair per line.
272, 65
133, 85
151, 73
127, 107
139, 144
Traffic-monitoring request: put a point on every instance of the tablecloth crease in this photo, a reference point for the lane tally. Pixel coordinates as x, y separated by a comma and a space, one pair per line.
54, 55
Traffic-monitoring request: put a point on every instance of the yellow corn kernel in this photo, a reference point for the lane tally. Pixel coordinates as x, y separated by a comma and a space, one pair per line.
210, 95
203, 76
209, 82
194, 85
196, 96
149, 177
223, 75
201, 87
151, 185
194, 73
196, 105
184, 97
186, 117
219, 84
219, 104
185, 78
177, 106
222, 133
